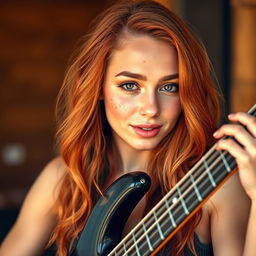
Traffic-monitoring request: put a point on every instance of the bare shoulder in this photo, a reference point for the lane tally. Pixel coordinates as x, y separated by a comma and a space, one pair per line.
231, 192
229, 210
54, 169
47, 183
37, 217
51, 175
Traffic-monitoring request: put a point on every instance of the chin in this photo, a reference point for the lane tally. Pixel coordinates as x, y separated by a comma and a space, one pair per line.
145, 147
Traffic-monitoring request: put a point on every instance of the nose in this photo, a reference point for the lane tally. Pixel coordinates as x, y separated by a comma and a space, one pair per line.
148, 104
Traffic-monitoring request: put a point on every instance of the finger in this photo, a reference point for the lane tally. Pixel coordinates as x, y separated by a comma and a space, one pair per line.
247, 120
240, 134
242, 157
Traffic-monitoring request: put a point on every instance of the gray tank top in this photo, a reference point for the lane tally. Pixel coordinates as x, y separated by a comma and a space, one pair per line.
201, 249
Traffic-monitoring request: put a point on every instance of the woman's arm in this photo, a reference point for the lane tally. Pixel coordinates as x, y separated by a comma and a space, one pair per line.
250, 242
229, 211
245, 154
37, 218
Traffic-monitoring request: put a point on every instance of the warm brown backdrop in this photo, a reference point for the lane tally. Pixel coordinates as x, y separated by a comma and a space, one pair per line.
37, 39
243, 65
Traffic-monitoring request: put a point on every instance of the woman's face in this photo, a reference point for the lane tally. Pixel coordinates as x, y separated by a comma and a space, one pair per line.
140, 91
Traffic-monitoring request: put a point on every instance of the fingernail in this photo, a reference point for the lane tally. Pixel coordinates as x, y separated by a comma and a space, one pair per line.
216, 133
231, 115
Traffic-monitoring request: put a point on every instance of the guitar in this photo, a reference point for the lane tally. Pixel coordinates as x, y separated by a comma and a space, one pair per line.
102, 233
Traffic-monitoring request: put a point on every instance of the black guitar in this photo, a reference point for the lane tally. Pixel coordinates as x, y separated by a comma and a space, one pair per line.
102, 233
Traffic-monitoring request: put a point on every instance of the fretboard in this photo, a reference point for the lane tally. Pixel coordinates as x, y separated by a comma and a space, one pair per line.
190, 192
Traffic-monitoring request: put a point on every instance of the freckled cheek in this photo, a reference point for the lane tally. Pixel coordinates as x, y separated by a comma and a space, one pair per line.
119, 107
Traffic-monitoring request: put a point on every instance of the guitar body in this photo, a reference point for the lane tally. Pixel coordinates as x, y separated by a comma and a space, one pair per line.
103, 229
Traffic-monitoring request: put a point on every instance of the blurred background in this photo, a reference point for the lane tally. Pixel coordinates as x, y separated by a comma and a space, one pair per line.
37, 39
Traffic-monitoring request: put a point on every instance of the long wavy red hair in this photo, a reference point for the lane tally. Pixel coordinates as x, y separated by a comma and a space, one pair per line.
84, 135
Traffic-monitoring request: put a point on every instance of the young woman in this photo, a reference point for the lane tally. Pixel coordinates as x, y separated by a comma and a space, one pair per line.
138, 97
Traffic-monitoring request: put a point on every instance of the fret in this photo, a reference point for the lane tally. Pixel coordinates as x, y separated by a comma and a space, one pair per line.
182, 201
220, 171
149, 223
154, 237
204, 186
216, 175
148, 240
231, 162
125, 250
136, 245
173, 201
202, 166
165, 223
178, 212
195, 188
224, 161
131, 241
191, 200
143, 247
158, 226
170, 213
162, 224
209, 174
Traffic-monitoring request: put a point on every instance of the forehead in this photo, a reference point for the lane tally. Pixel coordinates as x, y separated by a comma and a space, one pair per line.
141, 52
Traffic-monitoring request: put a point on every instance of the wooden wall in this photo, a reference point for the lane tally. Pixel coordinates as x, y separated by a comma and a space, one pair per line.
37, 40
243, 62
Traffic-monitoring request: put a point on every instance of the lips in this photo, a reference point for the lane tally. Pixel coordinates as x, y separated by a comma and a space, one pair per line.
147, 130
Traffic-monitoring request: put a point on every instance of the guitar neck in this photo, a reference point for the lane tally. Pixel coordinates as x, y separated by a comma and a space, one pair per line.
178, 205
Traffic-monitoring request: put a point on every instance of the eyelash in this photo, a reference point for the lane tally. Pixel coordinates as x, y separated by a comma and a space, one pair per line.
128, 83
174, 85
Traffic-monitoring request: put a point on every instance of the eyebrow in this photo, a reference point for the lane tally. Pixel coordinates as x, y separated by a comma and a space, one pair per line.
144, 78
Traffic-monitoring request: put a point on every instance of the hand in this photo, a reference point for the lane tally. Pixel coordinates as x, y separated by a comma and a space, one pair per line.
245, 153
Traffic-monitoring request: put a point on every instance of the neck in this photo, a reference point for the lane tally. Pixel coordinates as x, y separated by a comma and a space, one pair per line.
130, 159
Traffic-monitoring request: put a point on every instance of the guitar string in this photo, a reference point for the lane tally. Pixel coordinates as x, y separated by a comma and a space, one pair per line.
165, 220
222, 154
173, 205
133, 231
158, 205
188, 189
155, 231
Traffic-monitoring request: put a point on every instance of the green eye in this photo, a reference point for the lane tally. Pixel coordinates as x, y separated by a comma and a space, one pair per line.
173, 87
129, 86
